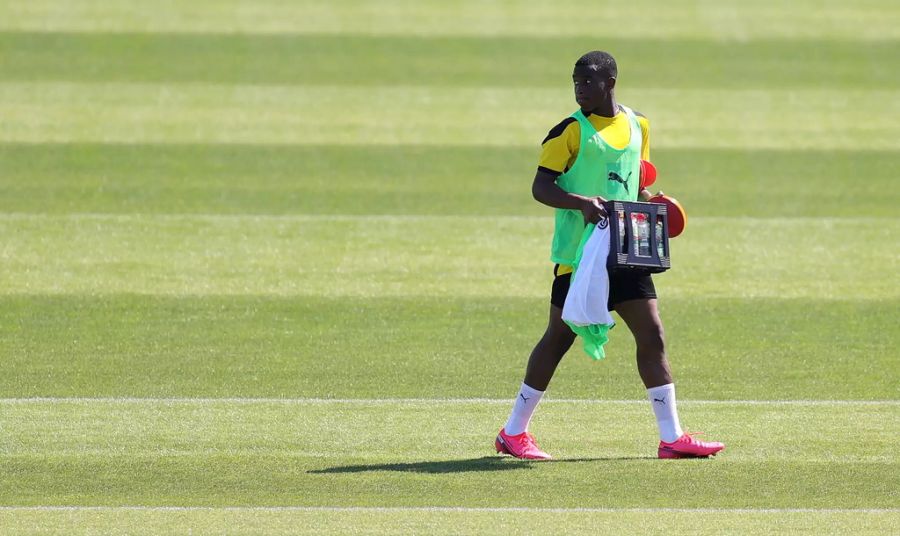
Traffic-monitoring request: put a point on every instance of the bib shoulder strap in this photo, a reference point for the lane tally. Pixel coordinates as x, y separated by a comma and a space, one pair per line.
632, 118
629, 112
587, 129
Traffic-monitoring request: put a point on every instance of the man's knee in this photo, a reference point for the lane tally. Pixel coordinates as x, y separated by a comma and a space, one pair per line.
559, 337
651, 340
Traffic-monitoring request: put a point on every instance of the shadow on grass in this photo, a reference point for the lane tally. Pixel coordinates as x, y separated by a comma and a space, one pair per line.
486, 463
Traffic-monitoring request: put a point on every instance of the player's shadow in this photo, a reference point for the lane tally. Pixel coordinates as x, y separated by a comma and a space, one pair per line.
486, 463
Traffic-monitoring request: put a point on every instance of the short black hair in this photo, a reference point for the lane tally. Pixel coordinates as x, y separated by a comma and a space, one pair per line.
599, 61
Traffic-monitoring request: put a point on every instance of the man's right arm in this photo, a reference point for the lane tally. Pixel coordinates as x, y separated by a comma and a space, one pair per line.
558, 150
546, 191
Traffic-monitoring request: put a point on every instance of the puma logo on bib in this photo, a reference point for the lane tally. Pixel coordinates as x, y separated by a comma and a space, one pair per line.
615, 177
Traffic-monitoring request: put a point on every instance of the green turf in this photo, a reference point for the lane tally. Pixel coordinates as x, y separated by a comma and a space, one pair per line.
818, 258
298, 453
294, 201
259, 179
218, 346
438, 61
117, 112
864, 20
403, 522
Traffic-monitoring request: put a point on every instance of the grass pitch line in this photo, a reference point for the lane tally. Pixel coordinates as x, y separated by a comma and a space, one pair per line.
428, 509
390, 401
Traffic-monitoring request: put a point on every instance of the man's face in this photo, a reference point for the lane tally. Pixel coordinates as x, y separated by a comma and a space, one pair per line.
591, 87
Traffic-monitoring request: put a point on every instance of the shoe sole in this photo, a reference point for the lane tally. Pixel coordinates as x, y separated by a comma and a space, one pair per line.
663, 454
502, 449
673, 455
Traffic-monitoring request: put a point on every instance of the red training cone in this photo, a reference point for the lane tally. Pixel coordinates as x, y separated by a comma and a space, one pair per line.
677, 214
648, 173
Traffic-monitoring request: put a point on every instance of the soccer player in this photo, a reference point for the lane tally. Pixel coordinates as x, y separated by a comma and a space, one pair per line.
590, 157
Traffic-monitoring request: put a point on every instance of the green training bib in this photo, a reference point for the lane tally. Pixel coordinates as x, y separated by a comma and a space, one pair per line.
599, 170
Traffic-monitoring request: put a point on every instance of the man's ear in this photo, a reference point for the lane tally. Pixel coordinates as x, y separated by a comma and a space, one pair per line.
610, 82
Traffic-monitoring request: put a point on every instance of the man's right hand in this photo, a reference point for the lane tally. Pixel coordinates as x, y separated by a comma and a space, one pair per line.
593, 210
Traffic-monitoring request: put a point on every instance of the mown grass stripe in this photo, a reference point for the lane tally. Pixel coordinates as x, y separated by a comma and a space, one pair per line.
402, 179
262, 346
182, 256
438, 61
450, 523
427, 455
428, 401
132, 217
385, 116
864, 20
427, 509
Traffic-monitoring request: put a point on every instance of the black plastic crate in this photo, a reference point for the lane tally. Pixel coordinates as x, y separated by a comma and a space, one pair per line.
638, 236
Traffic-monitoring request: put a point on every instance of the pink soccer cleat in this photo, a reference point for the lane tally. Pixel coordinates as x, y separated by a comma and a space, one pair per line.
521, 446
688, 447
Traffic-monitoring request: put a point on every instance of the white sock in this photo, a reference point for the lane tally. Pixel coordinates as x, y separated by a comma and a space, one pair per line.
523, 408
662, 399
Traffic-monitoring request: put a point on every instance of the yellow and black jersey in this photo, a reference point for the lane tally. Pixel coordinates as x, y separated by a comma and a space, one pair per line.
560, 148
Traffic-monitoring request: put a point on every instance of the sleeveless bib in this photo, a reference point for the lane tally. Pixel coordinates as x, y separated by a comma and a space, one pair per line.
599, 170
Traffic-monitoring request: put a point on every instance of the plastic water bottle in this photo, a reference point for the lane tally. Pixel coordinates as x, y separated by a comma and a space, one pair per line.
640, 230
635, 235
644, 226
659, 237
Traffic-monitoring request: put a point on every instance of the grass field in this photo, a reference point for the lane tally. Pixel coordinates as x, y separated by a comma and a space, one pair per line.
273, 267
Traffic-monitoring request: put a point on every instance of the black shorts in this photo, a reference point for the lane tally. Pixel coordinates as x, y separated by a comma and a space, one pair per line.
623, 286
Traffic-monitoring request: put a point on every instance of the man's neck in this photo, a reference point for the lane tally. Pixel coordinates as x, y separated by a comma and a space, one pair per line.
608, 109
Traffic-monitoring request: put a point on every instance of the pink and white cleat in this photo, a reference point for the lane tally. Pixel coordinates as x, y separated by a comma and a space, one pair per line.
521, 446
688, 447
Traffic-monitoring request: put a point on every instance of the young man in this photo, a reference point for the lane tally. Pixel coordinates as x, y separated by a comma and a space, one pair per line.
590, 157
